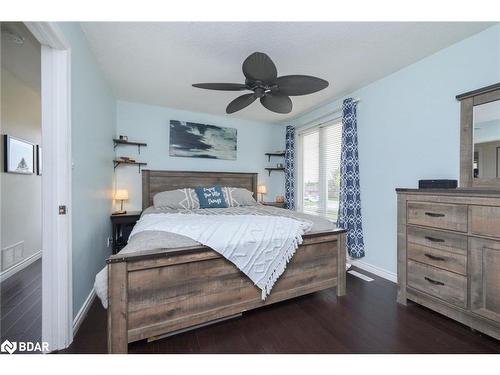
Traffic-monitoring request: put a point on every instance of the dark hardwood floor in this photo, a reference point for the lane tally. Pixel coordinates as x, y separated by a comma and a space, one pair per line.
21, 305
366, 320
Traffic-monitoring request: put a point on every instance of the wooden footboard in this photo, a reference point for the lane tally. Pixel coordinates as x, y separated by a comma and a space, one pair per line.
155, 293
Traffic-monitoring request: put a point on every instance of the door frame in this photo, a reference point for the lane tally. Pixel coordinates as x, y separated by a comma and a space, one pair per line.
57, 291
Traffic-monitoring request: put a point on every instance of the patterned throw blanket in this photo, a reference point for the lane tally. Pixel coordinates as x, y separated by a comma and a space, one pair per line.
260, 246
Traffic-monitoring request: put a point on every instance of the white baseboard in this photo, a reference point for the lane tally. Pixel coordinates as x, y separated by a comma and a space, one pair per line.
391, 276
82, 313
4, 275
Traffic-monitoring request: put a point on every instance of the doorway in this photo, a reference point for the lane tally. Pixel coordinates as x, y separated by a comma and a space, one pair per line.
21, 198
52, 168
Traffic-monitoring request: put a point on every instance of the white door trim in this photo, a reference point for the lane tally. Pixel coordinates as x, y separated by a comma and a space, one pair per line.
57, 303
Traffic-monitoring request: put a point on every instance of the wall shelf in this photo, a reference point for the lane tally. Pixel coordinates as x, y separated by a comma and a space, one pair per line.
117, 142
274, 169
118, 162
278, 154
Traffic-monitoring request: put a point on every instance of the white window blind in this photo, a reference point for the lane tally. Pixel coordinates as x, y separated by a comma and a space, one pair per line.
320, 169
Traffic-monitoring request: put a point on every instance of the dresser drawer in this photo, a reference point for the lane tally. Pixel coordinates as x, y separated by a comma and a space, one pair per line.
440, 249
485, 220
438, 258
447, 286
437, 215
452, 242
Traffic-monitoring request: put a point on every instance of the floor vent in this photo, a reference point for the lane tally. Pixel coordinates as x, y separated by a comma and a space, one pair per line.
360, 275
12, 255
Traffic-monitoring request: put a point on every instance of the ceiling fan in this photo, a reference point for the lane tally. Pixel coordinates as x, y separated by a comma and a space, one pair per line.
261, 77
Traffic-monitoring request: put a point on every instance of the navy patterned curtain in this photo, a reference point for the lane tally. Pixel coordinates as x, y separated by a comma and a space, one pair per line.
290, 168
350, 198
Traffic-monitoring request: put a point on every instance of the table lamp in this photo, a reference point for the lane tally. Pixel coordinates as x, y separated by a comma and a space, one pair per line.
121, 195
262, 190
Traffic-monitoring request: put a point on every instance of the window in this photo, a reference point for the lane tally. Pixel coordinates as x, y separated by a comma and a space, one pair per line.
320, 169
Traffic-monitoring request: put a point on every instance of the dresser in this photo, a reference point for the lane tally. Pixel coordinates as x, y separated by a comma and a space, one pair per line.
449, 254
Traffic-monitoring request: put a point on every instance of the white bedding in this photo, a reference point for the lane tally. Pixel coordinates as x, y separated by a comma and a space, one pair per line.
260, 246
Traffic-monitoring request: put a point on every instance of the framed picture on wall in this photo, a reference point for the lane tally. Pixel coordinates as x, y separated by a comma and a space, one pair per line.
39, 160
193, 140
19, 156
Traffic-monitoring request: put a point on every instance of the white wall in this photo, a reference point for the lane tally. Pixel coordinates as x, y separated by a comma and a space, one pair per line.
150, 124
408, 129
21, 200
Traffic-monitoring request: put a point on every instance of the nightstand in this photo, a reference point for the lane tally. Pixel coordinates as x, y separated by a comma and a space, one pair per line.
274, 204
122, 226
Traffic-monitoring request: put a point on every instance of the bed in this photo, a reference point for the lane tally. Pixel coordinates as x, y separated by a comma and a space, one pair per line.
154, 292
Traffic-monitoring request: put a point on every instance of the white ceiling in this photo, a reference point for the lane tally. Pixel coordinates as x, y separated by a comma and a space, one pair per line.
156, 63
21, 60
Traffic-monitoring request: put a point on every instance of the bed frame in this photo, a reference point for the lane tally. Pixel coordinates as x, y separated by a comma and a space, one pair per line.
156, 293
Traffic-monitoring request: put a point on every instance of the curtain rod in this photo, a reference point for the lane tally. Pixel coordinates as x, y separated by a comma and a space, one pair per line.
325, 115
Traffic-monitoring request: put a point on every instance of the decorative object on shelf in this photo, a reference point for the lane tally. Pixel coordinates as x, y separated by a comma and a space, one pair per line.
19, 156
279, 165
123, 138
280, 199
125, 142
193, 140
39, 160
280, 154
262, 190
290, 167
121, 195
127, 159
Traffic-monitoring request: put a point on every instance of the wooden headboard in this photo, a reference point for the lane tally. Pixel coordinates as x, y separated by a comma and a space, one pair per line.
157, 181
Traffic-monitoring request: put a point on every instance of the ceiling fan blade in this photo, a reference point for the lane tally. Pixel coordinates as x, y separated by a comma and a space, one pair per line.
240, 102
259, 67
277, 103
295, 85
221, 86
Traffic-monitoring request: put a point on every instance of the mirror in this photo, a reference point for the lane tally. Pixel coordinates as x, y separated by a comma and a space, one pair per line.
486, 140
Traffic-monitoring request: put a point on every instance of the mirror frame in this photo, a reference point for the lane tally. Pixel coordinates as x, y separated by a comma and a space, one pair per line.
467, 102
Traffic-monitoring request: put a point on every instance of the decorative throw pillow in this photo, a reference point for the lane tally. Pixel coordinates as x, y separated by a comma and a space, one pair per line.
186, 199
236, 197
211, 197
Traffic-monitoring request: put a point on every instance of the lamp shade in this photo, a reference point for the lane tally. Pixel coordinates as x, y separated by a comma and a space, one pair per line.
262, 189
121, 194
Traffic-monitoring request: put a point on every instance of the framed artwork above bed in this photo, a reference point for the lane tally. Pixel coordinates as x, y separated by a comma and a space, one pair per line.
193, 140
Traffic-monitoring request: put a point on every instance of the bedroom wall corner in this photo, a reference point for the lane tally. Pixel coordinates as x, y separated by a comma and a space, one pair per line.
93, 121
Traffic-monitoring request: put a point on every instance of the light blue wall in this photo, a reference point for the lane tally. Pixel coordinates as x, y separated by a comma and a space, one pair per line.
150, 124
93, 121
408, 129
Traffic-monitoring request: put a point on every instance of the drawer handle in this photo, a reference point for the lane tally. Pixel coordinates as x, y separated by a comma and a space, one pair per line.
433, 214
433, 257
433, 281
434, 239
